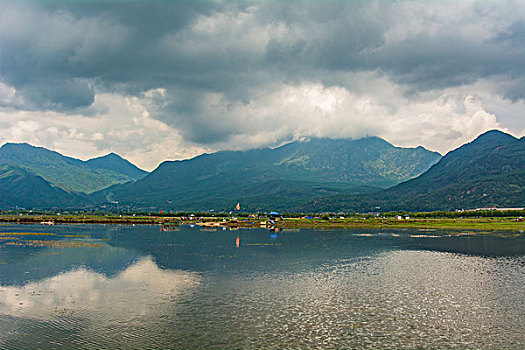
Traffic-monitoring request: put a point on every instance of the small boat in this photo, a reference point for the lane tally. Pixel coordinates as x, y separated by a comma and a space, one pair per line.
44, 223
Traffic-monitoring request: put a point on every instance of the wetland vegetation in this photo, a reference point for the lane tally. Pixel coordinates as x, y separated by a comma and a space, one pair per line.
482, 220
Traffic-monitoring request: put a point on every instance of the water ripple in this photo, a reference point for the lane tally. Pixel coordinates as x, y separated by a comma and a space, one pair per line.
319, 291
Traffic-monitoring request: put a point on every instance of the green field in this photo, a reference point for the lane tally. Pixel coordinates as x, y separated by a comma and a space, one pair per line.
469, 223
491, 224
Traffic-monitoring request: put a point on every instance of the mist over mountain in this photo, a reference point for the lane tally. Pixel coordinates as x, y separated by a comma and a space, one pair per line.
489, 171
278, 178
318, 175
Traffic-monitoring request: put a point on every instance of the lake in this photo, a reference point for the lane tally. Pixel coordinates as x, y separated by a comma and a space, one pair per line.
143, 287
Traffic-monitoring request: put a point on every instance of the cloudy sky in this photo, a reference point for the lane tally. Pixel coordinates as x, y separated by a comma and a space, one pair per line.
155, 80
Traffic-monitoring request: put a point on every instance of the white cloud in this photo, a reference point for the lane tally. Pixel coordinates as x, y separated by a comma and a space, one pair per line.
147, 289
89, 79
438, 120
117, 124
7, 94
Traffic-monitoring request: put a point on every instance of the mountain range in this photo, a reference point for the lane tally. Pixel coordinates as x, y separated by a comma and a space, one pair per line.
319, 175
66, 173
35, 177
279, 178
21, 189
487, 172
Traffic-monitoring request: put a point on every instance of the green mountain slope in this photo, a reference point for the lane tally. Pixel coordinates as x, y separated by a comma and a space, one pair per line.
490, 171
72, 175
116, 163
277, 178
19, 188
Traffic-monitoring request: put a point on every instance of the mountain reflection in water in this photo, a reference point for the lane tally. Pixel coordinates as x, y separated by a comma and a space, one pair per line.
193, 289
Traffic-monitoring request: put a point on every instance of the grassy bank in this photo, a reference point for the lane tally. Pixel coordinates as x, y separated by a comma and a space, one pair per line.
500, 223
87, 219
482, 223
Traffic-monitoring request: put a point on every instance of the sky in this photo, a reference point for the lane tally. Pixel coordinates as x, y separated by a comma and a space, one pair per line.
165, 80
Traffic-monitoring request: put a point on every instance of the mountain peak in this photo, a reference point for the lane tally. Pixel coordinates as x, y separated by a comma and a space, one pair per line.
25, 153
495, 136
21, 145
114, 162
111, 155
68, 173
277, 178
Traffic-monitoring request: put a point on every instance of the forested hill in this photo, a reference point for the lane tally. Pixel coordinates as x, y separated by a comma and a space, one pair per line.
277, 178
489, 171
66, 173
21, 189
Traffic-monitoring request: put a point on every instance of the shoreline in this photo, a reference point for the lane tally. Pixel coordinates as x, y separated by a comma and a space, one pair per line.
479, 224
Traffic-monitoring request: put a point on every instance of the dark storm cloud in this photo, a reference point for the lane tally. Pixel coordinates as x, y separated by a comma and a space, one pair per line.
59, 95
58, 54
58, 45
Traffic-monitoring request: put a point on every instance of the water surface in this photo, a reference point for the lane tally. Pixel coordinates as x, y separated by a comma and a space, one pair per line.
96, 286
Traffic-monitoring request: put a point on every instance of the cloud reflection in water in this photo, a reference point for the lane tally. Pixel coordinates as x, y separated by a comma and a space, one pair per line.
141, 289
